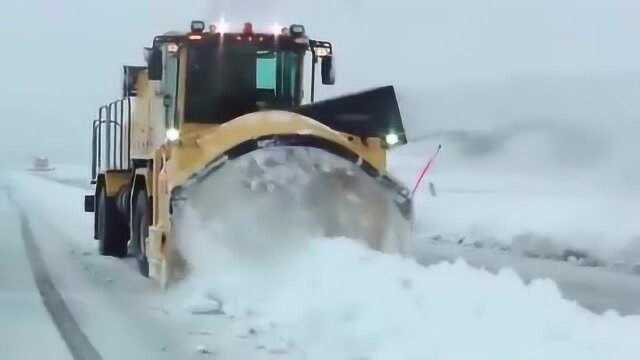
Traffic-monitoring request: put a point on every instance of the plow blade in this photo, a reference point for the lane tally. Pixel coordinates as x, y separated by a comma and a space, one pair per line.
372, 113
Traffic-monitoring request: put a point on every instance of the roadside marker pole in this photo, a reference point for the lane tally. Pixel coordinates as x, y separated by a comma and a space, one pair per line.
425, 170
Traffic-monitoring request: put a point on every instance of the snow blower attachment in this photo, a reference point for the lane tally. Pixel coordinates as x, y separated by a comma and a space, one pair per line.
215, 123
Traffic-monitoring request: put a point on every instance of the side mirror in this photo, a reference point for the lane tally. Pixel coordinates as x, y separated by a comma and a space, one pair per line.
154, 61
130, 79
167, 101
328, 70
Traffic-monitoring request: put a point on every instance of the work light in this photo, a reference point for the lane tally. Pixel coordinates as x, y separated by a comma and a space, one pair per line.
296, 30
391, 139
173, 134
197, 26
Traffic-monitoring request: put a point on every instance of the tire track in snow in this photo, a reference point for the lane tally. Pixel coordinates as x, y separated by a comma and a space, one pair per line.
76, 340
76, 183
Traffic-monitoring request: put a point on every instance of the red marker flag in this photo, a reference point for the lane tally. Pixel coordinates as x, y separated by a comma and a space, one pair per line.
424, 171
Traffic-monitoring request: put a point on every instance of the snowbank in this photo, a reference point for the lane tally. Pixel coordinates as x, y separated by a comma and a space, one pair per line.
334, 298
296, 292
59, 203
484, 201
309, 297
68, 174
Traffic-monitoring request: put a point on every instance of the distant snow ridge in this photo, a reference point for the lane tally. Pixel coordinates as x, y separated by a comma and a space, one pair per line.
334, 298
540, 246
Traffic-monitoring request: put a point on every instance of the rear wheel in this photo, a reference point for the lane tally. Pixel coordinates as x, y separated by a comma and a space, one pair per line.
112, 233
140, 226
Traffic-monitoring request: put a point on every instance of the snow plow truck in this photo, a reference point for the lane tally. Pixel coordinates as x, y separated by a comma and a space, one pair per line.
209, 99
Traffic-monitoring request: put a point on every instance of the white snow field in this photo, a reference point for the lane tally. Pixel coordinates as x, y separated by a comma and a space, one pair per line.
309, 298
491, 201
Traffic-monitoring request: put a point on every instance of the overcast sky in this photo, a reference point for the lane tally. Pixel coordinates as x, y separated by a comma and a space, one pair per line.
456, 63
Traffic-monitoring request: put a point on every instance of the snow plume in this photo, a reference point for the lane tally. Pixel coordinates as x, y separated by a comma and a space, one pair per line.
335, 298
274, 195
297, 292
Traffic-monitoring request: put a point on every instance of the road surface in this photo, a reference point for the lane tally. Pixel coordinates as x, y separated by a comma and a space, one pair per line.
60, 299
596, 288
25, 320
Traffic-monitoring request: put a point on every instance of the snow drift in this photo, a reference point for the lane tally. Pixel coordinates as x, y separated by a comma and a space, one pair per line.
272, 195
320, 297
334, 298
483, 200
300, 293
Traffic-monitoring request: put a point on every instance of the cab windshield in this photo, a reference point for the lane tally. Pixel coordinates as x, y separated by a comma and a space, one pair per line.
226, 82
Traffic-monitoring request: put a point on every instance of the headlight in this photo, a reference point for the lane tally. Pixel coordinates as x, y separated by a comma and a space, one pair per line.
391, 139
173, 134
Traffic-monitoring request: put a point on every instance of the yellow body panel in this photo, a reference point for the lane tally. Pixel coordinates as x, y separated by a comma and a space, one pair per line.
147, 128
200, 145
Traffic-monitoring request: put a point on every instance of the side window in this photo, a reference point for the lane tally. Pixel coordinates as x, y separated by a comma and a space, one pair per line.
170, 87
288, 72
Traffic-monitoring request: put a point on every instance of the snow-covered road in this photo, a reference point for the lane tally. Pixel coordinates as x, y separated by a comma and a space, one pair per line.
596, 288
23, 316
506, 218
96, 307
317, 306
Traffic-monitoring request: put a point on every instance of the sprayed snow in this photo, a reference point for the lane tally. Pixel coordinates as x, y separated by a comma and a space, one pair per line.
104, 294
315, 297
306, 191
334, 298
298, 292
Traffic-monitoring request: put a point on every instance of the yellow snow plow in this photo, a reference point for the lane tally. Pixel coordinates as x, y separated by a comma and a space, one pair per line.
217, 116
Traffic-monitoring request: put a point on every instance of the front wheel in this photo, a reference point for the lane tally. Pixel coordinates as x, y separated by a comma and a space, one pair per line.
140, 226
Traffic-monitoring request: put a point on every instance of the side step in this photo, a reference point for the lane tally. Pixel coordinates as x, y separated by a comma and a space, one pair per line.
89, 203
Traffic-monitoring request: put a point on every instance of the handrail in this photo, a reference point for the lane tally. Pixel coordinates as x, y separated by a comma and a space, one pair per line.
111, 145
129, 128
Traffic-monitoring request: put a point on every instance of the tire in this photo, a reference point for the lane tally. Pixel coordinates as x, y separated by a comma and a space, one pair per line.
140, 230
96, 219
112, 231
